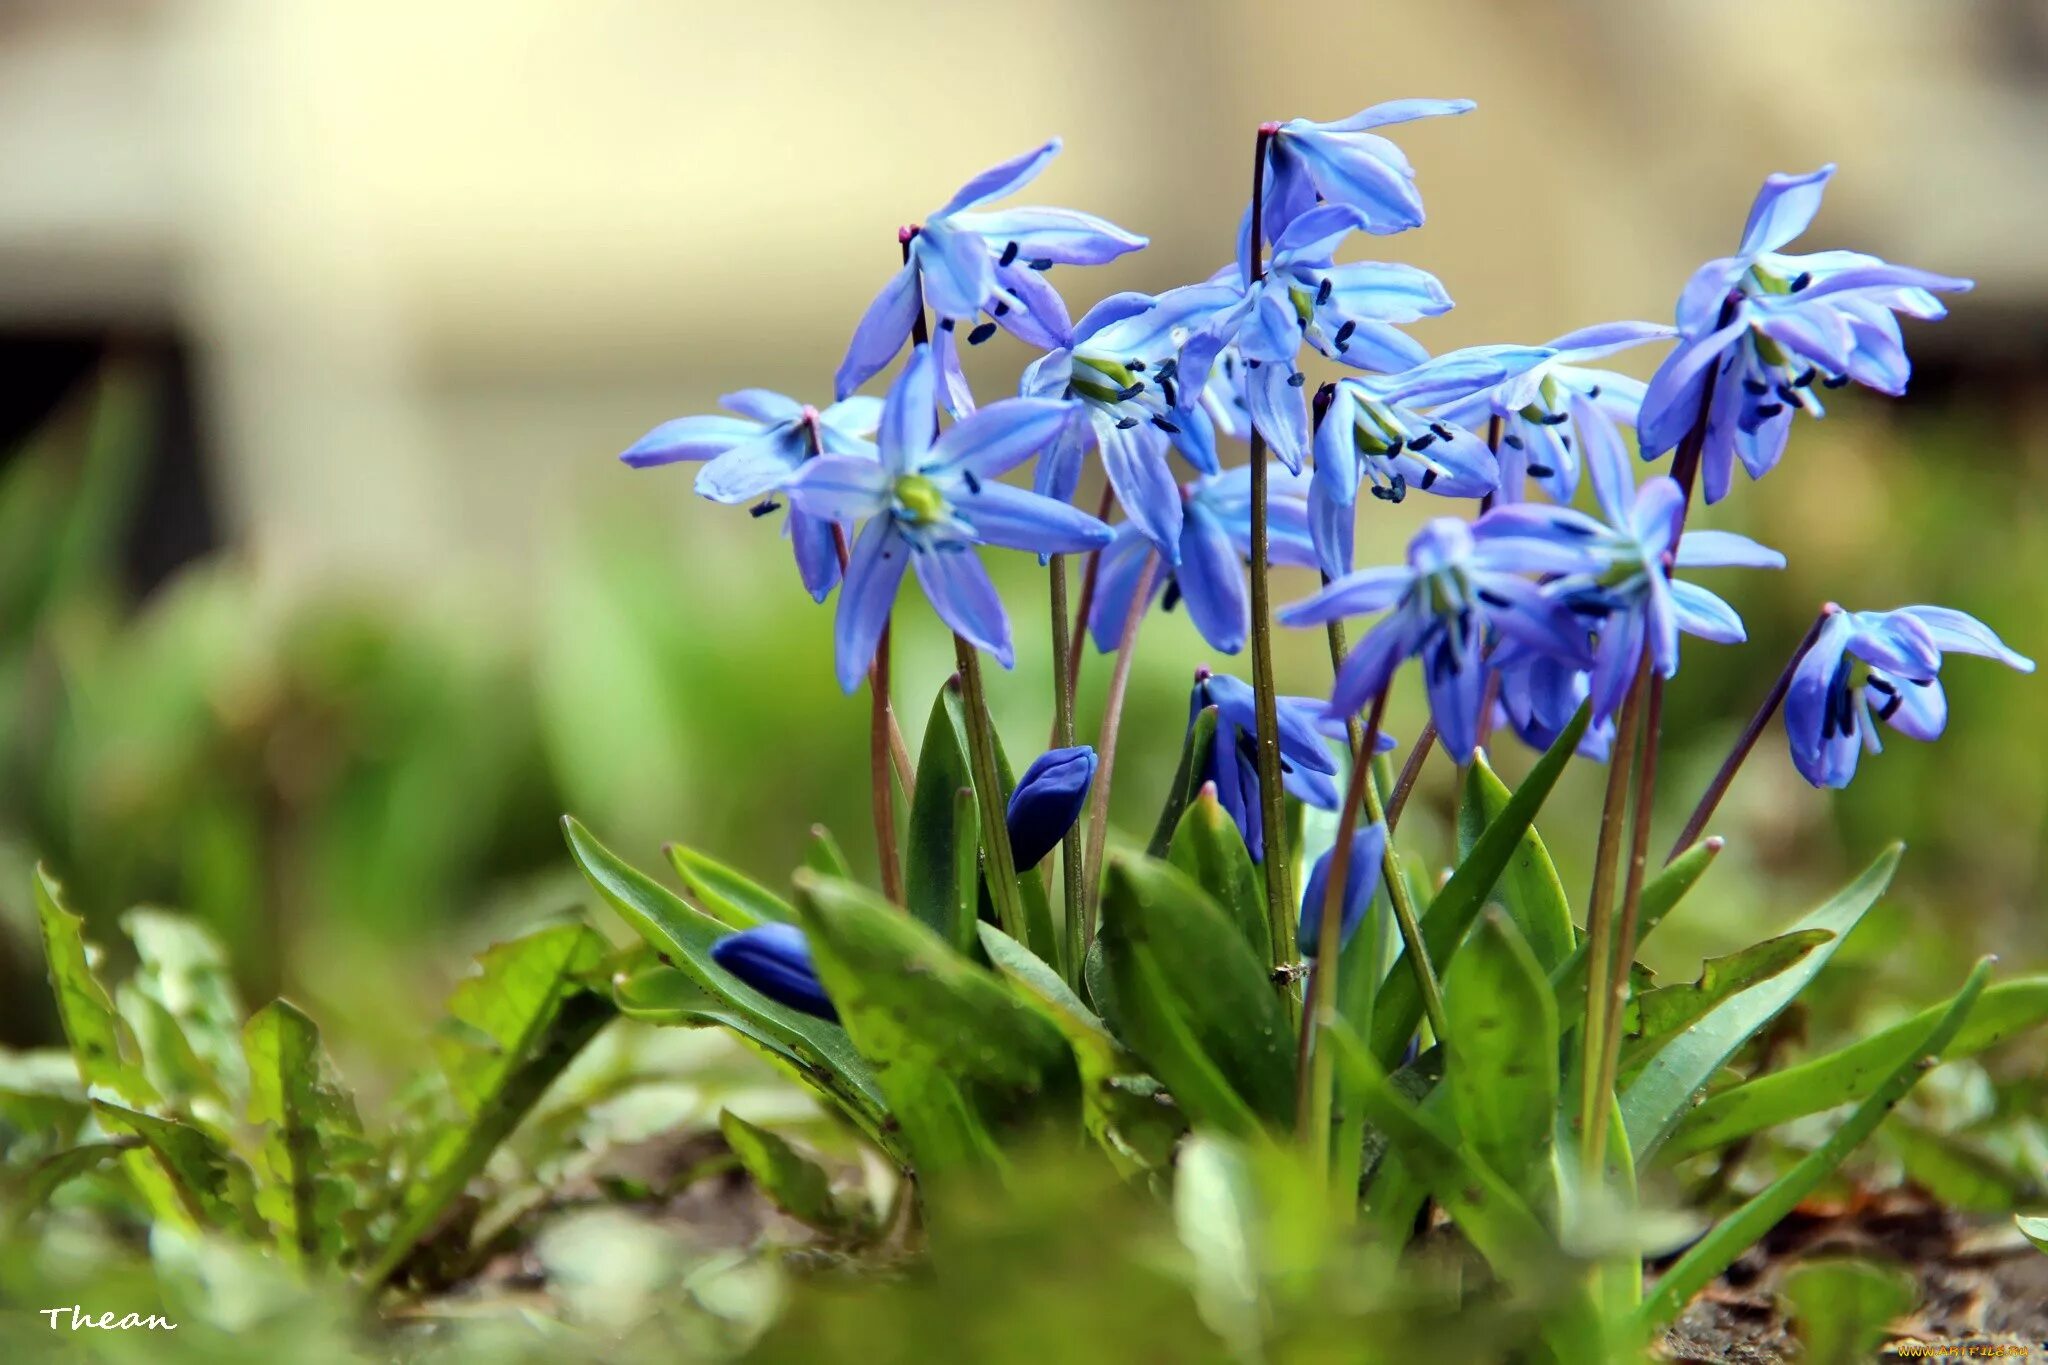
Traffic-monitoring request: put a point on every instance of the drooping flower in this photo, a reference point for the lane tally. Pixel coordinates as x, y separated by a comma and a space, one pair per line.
966, 263
1765, 328
1442, 606
1537, 438
1627, 594
753, 454
1361, 884
1307, 770
1870, 666
1538, 696
928, 500
775, 959
1047, 800
1378, 431
1345, 162
1215, 543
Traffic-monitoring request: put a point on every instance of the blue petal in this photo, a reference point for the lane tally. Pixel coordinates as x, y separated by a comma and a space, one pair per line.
1355, 594
1671, 402
1699, 612
855, 418
1311, 238
965, 599
1783, 208
1135, 462
841, 488
1615, 661
1960, 633
763, 405
1607, 463
1123, 564
1018, 520
1394, 111
689, 438
1279, 412
1370, 665
775, 960
998, 438
1724, 550
954, 393
1922, 712
1386, 292
1064, 236
762, 465
883, 329
867, 597
1590, 343
1455, 683
1896, 642
1114, 309
1807, 705
997, 181
1365, 172
817, 553
1058, 472
1161, 330
956, 270
910, 414
1038, 315
1361, 884
1211, 578
1047, 801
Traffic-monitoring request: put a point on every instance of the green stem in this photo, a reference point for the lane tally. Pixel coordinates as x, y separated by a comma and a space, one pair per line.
988, 791
1600, 938
1063, 737
1105, 751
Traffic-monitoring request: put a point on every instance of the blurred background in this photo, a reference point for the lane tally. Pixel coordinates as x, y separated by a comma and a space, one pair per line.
323, 594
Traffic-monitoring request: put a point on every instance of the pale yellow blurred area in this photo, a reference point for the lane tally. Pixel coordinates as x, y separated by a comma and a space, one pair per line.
441, 260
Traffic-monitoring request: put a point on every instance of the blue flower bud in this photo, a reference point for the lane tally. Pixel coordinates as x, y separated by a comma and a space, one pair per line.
1047, 801
1361, 881
775, 960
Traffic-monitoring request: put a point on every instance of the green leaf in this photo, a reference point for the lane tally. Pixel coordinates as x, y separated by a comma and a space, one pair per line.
1451, 913
1187, 780
315, 1161
654, 993
1842, 1307
1662, 1092
820, 1049
2034, 1228
1655, 1015
512, 1029
1216, 1214
958, 1055
185, 972
1040, 933
796, 1184
1958, 1173
101, 1043
1193, 1001
1503, 1051
1741, 1229
25, 1191
1208, 847
1528, 887
1660, 896
41, 1095
212, 1187
2009, 1008
732, 898
824, 856
943, 830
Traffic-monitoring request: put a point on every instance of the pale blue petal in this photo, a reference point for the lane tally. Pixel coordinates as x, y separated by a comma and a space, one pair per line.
689, 438
817, 553
1039, 316
855, 417
1001, 180
1064, 236
1386, 292
1724, 549
1279, 412
883, 329
1922, 712
1211, 578
1590, 343
1123, 564
965, 599
1607, 463
1135, 461
1699, 612
910, 414
1783, 208
1355, 594
1960, 633
998, 438
1311, 238
841, 488
762, 465
1019, 520
865, 601
763, 405
1391, 112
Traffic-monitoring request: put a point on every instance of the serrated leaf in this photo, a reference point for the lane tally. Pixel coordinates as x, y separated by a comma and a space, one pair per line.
315, 1162
213, 1188
1503, 1051
1192, 1000
25, 1191
1453, 909
1658, 1097
1655, 1015
1528, 888
732, 898
184, 970
1850, 1073
1209, 848
1187, 779
796, 1184
105, 1050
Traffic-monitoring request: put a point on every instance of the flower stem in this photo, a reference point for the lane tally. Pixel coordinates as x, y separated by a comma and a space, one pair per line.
999, 866
883, 740
1710, 799
1600, 935
1624, 956
1105, 753
1086, 602
1410, 771
1064, 644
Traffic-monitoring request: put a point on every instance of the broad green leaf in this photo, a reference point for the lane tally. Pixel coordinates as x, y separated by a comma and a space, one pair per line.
796, 1184
1655, 1015
315, 1162
41, 1094
732, 898
655, 993
1216, 1214
1528, 887
1662, 1092
967, 888
511, 1030
1191, 997
958, 1055
1503, 1051
25, 1191
2034, 1228
824, 856
1124, 1108
2009, 1008
1660, 895
186, 973
186, 1083
1208, 847
1842, 1306
212, 1186
683, 936
1187, 780
1958, 1173
1741, 1229
942, 829
1451, 913
102, 1045
1041, 935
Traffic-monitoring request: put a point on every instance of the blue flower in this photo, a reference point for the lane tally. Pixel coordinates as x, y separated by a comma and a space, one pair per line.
1361, 884
928, 500
1047, 801
1208, 568
755, 453
1767, 327
776, 960
1345, 162
966, 263
1442, 606
1626, 593
1378, 432
1538, 440
1871, 666
1538, 696
1307, 770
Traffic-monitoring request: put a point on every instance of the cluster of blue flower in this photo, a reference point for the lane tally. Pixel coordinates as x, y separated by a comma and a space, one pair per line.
1518, 615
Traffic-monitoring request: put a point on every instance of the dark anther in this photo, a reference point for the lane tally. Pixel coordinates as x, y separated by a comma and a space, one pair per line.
1834, 381
1890, 706
1296, 380
1171, 599
1323, 291
1801, 280
1805, 378
1789, 394
1042, 263
973, 483
1251, 364
1593, 392
1756, 386
1068, 394
1009, 254
1136, 367
1126, 395
981, 334
1540, 471
763, 507
1877, 684
1166, 426
1166, 390
1126, 423
1396, 448
1000, 309
1344, 334
1428, 478
1383, 494
1556, 419
1492, 598
1423, 442
1514, 442
1167, 369
945, 324
1768, 410
1399, 490
1443, 431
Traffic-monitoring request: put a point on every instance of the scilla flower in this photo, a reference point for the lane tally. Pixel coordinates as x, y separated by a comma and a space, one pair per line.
1538, 696
1345, 162
1626, 593
966, 263
1768, 328
1870, 666
1537, 438
752, 455
775, 960
928, 502
1443, 607
1208, 571
1361, 884
1307, 770
1047, 801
